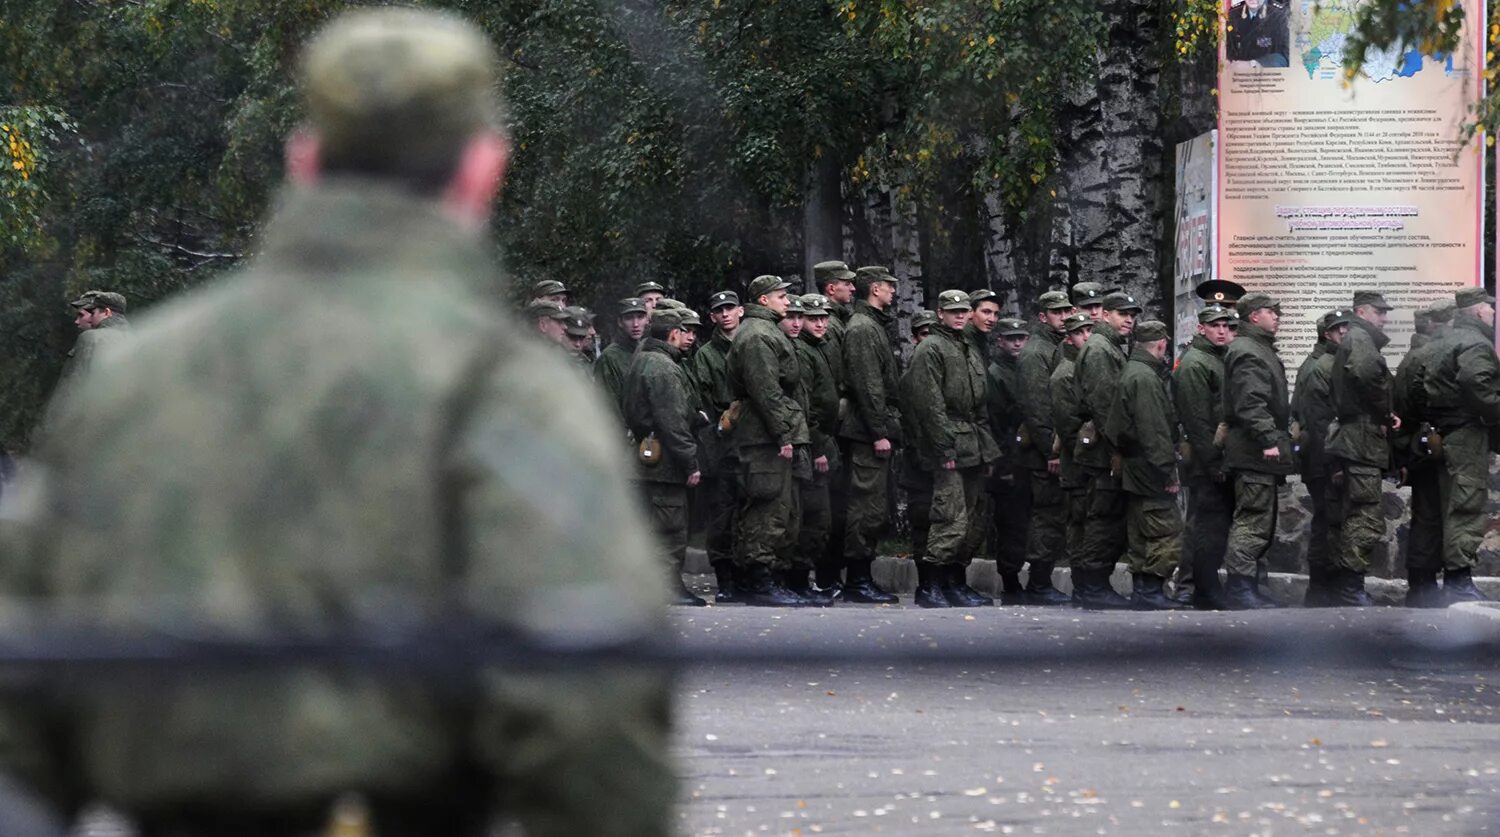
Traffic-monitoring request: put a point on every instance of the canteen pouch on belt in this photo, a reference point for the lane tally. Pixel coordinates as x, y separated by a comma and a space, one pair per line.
1088, 436
1430, 441
1221, 435
649, 451
1023, 436
730, 417
1116, 465
1185, 452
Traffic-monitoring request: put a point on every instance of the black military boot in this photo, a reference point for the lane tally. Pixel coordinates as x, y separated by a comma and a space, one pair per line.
1148, 593
758, 588
1458, 586
1422, 589
724, 573
1266, 602
1039, 589
681, 595
956, 587
860, 587
930, 591
1240, 594
1350, 590
1093, 591
796, 580
1319, 588
1011, 591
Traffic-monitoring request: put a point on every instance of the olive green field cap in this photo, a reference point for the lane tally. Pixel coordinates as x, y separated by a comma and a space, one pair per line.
1151, 330
689, 317
1216, 313
575, 323
980, 295
669, 304
723, 299
1371, 298
94, 300
1472, 296
1012, 327
1077, 321
548, 287
1121, 301
1088, 293
764, 284
925, 318
632, 305
670, 316
649, 287
869, 275
953, 301
1053, 301
832, 271
794, 305
399, 89
544, 309
579, 311
1334, 319
1254, 301
814, 305
1440, 311
85, 299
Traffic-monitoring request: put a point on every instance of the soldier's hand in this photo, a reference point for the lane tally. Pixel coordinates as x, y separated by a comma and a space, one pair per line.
1271, 453
1054, 466
882, 446
821, 464
950, 465
694, 478
786, 452
1395, 422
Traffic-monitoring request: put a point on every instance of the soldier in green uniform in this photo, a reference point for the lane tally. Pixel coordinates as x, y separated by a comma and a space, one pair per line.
1008, 500
1361, 386
578, 331
720, 490
1463, 404
348, 429
1040, 457
1414, 457
1312, 410
549, 290
870, 428
609, 369
1067, 419
660, 406
100, 317
947, 409
1088, 297
910, 476
1257, 445
766, 379
549, 322
796, 566
1099, 366
822, 427
1142, 430
1198, 394
650, 293
835, 282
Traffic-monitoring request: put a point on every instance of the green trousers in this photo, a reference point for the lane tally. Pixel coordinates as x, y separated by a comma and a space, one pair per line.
1355, 521
766, 522
1424, 535
1319, 539
667, 504
1464, 484
1254, 526
865, 519
817, 517
956, 528
1154, 530
1104, 529
1046, 525
1210, 513
1077, 511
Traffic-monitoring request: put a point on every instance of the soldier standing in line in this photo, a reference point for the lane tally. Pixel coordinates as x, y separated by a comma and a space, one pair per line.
1067, 418
660, 405
835, 281
1312, 410
796, 567
1008, 498
549, 320
100, 317
822, 427
1361, 385
1463, 401
1142, 429
916, 482
947, 383
578, 334
1088, 297
1257, 445
1198, 394
1040, 457
549, 290
1099, 365
1416, 461
610, 368
766, 379
650, 293
719, 494
870, 428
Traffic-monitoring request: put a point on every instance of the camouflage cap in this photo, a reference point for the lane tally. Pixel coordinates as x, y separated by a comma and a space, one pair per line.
1121, 301
1255, 301
722, 299
539, 309
794, 305
1334, 319
85, 299
1151, 330
649, 287
689, 317
1012, 327
979, 295
399, 89
670, 303
666, 316
1372, 298
764, 284
925, 318
1442, 310
632, 305
1216, 313
575, 323
814, 305
548, 287
1088, 293
1053, 301
1077, 321
953, 301
109, 299
1472, 296
580, 311
869, 275
832, 271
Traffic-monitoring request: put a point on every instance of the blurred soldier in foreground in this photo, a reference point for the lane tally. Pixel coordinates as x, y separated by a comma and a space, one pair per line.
719, 493
1040, 456
344, 435
1198, 394
609, 370
1312, 409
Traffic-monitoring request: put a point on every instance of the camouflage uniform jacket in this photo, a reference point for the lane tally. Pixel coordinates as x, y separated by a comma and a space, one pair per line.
337, 434
709, 369
1198, 394
767, 379
1255, 404
1409, 395
870, 377
1312, 408
610, 368
1463, 377
1039, 357
1003, 404
1067, 416
1361, 387
1142, 426
979, 341
659, 400
822, 398
1100, 363
947, 402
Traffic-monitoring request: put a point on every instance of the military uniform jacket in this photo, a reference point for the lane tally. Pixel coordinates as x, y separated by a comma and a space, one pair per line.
1255, 404
610, 369
1463, 376
822, 398
766, 377
1198, 395
1142, 426
1039, 357
1361, 387
1003, 403
659, 400
870, 377
1312, 408
947, 387
1100, 363
338, 433
110, 331
1067, 416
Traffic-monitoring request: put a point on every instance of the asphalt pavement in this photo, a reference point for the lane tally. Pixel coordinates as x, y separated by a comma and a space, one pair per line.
1143, 735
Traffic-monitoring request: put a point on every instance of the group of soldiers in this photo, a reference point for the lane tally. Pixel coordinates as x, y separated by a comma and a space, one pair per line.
1064, 440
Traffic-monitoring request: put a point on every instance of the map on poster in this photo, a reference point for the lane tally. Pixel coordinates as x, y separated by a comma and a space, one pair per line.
1323, 28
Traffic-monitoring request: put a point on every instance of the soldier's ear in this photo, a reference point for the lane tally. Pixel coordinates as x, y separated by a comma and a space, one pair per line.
304, 158
476, 181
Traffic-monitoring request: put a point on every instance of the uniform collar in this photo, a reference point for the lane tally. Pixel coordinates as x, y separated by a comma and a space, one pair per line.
1376, 334
756, 311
